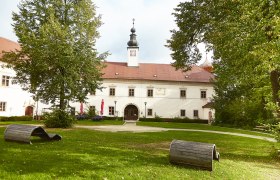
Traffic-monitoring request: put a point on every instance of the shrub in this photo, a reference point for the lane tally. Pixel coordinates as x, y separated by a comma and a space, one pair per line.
275, 152
82, 117
187, 120
158, 118
151, 119
16, 118
176, 120
276, 131
91, 112
58, 119
113, 118
97, 118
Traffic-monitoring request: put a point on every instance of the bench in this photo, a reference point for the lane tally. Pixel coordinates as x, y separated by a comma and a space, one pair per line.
262, 128
193, 154
22, 133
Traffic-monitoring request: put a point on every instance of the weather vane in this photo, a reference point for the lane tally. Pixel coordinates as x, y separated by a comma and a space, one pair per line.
133, 21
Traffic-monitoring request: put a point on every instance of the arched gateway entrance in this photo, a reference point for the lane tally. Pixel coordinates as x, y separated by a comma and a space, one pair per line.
29, 111
131, 112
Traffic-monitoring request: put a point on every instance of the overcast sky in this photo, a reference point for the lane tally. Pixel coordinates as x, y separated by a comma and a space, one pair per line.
153, 22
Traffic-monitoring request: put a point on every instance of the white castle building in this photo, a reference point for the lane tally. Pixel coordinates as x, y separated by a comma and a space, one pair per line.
130, 90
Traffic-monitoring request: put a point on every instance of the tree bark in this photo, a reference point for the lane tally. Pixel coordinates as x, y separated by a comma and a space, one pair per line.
275, 85
62, 98
62, 105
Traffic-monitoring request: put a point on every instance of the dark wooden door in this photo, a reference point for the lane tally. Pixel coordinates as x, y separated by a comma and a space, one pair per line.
131, 113
29, 111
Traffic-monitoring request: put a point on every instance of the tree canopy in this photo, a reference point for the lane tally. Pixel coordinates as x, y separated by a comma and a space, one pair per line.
58, 61
244, 38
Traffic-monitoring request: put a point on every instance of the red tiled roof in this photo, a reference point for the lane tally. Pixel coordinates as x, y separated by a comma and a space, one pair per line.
145, 71
159, 72
8, 45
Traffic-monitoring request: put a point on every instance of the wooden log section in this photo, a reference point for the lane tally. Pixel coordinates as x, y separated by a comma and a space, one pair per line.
22, 133
194, 154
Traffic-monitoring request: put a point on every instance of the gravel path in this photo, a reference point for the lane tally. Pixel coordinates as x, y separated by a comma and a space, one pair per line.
132, 127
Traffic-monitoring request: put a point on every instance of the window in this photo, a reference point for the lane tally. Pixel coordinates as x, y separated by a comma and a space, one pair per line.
203, 94
111, 110
131, 92
112, 92
150, 93
183, 113
183, 93
3, 106
150, 112
5, 80
132, 52
195, 113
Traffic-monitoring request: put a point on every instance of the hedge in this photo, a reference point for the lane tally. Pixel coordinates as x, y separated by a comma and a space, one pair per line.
86, 117
113, 118
177, 120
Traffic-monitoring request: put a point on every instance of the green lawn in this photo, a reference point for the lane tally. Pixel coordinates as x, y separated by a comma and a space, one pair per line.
20, 122
153, 124
80, 122
87, 154
202, 127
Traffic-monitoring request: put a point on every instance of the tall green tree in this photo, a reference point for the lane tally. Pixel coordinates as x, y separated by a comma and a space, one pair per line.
244, 37
58, 61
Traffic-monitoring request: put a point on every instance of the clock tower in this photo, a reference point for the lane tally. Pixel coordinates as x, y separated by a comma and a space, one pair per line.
132, 49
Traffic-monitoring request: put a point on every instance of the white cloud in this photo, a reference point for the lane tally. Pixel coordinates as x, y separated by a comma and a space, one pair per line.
153, 22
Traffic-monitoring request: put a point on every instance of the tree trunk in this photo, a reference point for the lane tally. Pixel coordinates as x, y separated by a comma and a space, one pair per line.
62, 105
62, 97
274, 79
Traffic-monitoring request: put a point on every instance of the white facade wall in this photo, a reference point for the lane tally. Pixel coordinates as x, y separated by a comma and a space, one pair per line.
166, 101
13, 96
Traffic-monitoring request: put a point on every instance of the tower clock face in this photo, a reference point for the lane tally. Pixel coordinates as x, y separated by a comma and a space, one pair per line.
132, 52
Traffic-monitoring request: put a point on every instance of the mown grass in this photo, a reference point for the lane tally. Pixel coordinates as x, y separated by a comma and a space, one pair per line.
87, 154
79, 122
20, 122
201, 127
153, 124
